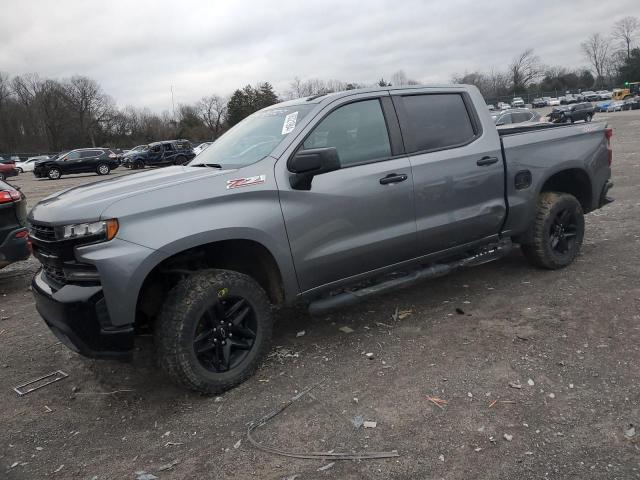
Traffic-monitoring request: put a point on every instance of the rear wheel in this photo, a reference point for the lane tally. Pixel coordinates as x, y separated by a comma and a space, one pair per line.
20, 170
103, 169
54, 173
557, 231
3, 177
180, 160
214, 329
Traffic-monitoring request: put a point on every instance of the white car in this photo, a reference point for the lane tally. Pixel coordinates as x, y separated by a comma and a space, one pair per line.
554, 102
201, 147
517, 102
604, 94
29, 163
503, 106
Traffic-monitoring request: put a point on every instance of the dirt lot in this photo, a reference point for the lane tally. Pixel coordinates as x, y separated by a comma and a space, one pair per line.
570, 338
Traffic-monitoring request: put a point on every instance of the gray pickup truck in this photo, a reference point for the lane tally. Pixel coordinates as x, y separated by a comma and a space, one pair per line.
327, 200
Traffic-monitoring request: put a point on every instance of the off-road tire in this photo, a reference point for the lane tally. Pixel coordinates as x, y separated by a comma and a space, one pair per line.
51, 173
103, 169
539, 250
181, 313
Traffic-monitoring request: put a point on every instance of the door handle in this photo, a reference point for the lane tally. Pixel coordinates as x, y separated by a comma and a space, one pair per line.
393, 178
484, 161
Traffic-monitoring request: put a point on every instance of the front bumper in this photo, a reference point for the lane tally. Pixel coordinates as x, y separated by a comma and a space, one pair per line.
77, 315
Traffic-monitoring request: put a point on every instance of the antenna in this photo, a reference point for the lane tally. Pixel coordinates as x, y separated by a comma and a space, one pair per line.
173, 103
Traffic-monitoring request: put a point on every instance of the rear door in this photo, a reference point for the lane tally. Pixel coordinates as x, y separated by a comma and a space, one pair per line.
359, 218
169, 153
457, 169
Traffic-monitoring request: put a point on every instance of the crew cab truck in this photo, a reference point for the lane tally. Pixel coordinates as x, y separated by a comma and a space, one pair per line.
327, 200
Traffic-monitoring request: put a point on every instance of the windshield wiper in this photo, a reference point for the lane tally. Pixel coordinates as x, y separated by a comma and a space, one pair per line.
212, 165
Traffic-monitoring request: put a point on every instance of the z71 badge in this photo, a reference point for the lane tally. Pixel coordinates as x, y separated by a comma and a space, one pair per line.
245, 182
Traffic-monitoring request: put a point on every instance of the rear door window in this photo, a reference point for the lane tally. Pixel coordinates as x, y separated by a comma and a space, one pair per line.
437, 121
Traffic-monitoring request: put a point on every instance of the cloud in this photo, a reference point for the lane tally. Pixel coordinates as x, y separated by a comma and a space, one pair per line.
137, 50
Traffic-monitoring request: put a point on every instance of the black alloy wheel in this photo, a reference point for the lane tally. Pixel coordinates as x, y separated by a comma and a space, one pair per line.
563, 231
225, 334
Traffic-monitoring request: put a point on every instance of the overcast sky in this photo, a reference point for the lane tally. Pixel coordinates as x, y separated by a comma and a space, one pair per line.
137, 49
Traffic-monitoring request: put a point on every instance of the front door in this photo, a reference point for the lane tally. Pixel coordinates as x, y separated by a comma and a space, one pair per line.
356, 219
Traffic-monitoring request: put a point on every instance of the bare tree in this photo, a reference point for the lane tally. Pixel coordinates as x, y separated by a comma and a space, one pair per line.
213, 112
626, 30
524, 69
596, 51
90, 104
399, 79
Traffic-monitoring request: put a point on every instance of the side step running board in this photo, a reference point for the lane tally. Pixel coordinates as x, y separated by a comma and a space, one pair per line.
487, 254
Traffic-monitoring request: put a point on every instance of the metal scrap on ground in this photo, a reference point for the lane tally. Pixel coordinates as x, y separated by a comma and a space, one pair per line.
40, 382
308, 455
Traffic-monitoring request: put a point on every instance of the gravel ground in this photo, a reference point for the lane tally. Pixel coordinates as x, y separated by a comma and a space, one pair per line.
568, 340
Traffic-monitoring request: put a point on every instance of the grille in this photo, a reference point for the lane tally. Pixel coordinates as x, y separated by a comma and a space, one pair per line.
42, 232
54, 273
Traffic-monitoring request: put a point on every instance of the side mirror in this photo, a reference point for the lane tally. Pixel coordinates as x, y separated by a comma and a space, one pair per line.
306, 164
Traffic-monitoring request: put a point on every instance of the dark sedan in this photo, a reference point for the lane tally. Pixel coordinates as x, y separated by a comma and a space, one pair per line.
572, 113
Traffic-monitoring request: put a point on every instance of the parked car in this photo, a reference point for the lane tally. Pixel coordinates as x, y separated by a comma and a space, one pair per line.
572, 113
517, 102
14, 237
7, 169
159, 154
538, 103
553, 102
615, 106
503, 106
631, 103
491, 107
515, 115
604, 94
201, 147
82, 160
30, 163
330, 214
568, 99
602, 106
589, 96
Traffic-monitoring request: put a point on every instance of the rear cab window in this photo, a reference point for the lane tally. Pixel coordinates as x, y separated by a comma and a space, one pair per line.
436, 121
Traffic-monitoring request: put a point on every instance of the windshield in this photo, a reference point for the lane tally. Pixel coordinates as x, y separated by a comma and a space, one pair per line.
254, 138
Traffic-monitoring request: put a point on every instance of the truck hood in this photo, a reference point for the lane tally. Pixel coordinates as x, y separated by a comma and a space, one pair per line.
87, 202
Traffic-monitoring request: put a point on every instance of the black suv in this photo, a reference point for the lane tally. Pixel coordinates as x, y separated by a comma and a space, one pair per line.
82, 160
14, 238
571, 113
159, 154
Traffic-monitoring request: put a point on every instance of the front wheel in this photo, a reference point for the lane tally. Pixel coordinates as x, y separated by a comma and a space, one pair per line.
54, 173
214, 329
557, 231
589, 117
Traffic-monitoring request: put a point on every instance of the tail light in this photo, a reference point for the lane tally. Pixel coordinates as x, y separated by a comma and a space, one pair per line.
10, 195
608, 133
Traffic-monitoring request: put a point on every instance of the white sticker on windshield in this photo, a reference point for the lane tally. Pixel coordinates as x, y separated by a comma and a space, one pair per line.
289, 123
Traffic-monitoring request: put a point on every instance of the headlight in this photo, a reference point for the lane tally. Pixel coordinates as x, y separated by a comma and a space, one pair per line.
104, 229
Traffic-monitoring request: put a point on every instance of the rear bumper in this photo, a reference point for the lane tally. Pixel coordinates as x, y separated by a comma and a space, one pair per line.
14, 249
77, 315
